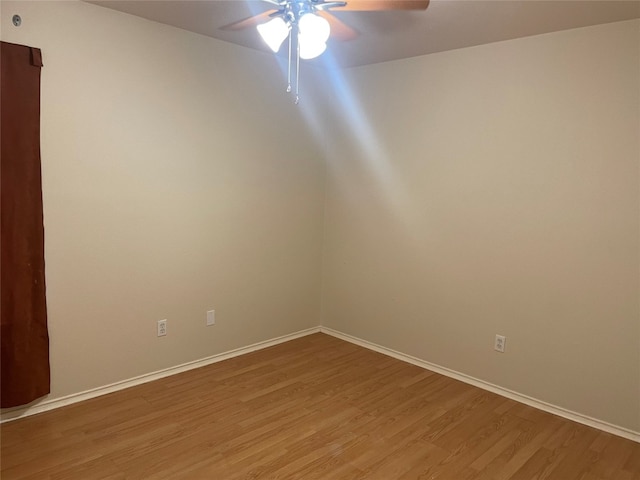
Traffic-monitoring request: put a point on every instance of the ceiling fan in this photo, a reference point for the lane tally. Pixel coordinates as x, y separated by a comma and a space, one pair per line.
308, 24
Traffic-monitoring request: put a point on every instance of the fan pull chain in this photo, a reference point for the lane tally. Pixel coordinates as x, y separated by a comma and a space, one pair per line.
289, 72
298, 72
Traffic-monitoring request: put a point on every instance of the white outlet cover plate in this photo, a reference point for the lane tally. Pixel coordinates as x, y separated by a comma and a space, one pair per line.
211, 317
162, 328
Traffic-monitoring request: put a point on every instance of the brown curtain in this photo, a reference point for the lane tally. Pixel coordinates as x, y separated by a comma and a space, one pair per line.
24, 340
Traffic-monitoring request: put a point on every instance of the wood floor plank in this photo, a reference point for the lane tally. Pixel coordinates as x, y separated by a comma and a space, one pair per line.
313, 408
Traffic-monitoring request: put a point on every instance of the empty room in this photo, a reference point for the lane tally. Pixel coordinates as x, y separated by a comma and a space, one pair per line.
307, 239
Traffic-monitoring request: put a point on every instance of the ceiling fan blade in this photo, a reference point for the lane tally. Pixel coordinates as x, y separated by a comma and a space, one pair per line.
250, 21
323, 5
339, 29
374, 5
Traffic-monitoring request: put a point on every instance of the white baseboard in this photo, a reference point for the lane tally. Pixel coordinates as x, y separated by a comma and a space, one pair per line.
45, 405
518, 397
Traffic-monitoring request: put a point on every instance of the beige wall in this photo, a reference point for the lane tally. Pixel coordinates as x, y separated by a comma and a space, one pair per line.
177, 177
495, 190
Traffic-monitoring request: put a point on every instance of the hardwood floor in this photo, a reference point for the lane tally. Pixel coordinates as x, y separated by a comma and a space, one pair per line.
315, 407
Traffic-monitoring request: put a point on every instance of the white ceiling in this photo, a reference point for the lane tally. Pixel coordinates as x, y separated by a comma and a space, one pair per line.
392, 35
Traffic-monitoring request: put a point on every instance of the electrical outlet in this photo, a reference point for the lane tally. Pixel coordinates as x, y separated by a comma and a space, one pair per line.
162, 328
211, 318
499, 344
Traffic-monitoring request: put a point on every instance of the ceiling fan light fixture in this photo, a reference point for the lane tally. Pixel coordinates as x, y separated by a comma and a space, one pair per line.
315, 27
274, 32
308, 24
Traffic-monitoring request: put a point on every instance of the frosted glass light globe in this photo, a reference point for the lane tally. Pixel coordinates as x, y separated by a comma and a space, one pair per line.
274, 32
310, 47
315, 26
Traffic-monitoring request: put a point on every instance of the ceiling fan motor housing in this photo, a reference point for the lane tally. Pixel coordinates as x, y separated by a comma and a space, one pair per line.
292, 10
